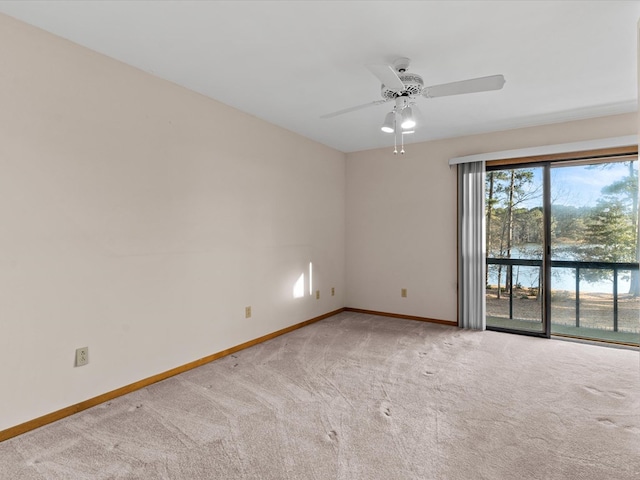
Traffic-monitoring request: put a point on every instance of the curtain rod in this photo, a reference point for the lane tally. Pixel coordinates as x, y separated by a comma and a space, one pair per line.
548, 149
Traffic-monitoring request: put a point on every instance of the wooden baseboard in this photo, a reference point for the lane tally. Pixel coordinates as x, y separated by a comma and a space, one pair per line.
92, 402
404, 317
105, 397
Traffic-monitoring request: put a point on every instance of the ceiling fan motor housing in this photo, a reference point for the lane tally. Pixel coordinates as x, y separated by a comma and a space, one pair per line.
413, 85
401, 64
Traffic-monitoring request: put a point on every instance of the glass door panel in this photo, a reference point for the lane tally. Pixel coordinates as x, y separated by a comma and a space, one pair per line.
594, 234
515, 246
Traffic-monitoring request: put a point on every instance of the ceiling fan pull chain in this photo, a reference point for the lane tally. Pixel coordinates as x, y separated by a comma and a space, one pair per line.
395, 135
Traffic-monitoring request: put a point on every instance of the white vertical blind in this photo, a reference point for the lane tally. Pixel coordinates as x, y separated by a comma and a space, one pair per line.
471, 245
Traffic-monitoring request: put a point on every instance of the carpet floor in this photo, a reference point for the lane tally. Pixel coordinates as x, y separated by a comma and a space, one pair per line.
358, 396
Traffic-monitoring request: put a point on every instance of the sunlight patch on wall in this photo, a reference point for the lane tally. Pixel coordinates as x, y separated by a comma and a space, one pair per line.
298, 287
310, 278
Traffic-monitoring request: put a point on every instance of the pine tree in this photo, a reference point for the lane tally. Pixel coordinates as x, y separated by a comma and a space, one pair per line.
611, 228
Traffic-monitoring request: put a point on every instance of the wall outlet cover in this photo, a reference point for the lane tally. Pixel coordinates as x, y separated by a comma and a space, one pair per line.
82, 356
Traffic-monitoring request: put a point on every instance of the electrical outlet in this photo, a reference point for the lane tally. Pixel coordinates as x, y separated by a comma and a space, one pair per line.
403, 293
247, 312
333, 291
317, 294
82, 356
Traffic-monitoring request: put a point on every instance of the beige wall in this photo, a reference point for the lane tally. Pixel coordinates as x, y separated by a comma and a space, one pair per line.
401, 215
139, 219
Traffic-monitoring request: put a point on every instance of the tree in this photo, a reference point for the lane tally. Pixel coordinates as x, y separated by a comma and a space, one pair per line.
506, 190
567, 223
527, 226
627, 190
611, 228
609, 236
492, 179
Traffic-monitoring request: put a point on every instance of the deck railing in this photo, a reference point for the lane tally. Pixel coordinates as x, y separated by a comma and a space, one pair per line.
615, 267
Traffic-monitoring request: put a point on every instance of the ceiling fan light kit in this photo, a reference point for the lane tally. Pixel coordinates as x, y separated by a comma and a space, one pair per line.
403, 110
389, 125
403, 88
407, 119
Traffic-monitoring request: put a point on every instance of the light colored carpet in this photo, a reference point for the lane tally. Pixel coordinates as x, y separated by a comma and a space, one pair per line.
362, 397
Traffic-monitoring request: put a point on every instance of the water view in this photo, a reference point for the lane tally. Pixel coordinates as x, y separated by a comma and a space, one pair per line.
561, 278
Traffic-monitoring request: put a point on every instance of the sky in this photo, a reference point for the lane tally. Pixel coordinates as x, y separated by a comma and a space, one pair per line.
578, 185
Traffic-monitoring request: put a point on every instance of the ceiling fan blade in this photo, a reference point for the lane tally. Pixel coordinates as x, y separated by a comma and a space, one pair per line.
388, 76
482, 84
353, 109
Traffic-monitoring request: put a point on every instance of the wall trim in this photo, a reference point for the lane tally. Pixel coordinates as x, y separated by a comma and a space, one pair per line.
576, 158
92, 402
402, 316
614, 142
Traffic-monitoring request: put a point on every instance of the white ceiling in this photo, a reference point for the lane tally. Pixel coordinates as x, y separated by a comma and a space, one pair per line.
289, 62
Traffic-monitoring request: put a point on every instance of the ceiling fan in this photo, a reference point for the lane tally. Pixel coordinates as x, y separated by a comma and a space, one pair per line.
403, 87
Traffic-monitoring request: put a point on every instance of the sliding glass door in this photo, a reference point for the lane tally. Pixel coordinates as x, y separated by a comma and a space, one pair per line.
562, 249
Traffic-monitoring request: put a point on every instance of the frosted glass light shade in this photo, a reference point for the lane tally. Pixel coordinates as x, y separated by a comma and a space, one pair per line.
407, 119
389, 123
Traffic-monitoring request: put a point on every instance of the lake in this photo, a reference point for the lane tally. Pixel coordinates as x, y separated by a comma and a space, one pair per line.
561, 278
